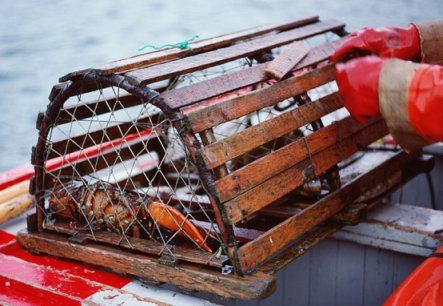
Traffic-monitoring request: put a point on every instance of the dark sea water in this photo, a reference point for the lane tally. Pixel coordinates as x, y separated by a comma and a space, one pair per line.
42, 40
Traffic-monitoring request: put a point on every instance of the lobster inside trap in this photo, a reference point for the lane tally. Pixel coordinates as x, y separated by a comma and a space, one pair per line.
201, 167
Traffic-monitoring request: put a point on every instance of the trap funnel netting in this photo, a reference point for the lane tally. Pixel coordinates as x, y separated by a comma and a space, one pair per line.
122, 151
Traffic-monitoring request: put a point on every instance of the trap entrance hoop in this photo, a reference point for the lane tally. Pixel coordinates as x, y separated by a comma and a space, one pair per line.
199, 168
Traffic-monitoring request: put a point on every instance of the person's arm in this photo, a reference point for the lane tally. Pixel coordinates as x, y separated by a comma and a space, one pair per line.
431, 41
409, 96
420, 42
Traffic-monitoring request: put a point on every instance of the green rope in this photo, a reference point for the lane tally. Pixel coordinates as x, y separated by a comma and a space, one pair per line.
181, 45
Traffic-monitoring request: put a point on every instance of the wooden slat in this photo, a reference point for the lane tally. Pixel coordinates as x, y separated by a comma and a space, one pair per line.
198, 46
299, 248
114, 131
191, 94
286, 181
207, 138
15, 207
142, 245
256, 285
241, 234
233, 146
223, 111
287, 60
259, 171
230, 81
260, 249
201, 61
100, 106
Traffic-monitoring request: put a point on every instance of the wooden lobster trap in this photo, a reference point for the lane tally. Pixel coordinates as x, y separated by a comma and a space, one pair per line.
209, 167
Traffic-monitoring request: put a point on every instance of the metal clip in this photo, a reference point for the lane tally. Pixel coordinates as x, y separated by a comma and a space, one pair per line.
226, 269
308, 173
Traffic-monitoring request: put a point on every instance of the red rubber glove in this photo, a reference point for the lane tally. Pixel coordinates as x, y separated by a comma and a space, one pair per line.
425, 102
357, 82
385, 42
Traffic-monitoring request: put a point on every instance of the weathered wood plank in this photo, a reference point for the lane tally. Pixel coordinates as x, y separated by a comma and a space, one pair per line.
286, 181
15, 207
323, 273
142, 245
233, 146
299, 248
287, 60
198, 46
230, 81
398, 227
305, 170
223, 111
378, 268
260, 249
204, 60
93, 138
350, 263
207, 138
260, 170
256, 285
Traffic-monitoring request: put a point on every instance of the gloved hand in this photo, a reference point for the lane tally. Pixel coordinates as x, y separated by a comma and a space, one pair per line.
357, 82
385, 42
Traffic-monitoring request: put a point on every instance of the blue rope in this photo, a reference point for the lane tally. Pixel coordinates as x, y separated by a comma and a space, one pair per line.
181, 45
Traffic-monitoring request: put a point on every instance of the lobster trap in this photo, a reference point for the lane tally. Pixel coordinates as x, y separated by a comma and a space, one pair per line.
203, 167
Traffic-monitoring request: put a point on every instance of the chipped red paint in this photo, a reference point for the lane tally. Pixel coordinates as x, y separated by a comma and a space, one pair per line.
73, 268
18, 293
57, 281
5, 239
33, 279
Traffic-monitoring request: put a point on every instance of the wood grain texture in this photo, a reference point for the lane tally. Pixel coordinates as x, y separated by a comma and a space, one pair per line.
198, 46
256, 285
212, 58
15, 207
258, 250
14, 191
287, 60
299, 248
259, 171
277, 186
137, 244
226, 110
233, 146
233, 80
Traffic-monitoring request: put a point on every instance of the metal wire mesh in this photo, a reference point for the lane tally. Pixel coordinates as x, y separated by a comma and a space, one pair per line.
125, 170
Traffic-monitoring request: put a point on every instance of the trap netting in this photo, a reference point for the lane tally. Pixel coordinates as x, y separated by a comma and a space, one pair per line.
122, 168
116, 168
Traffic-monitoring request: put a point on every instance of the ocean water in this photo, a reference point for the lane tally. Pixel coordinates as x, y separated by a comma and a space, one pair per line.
42, 40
